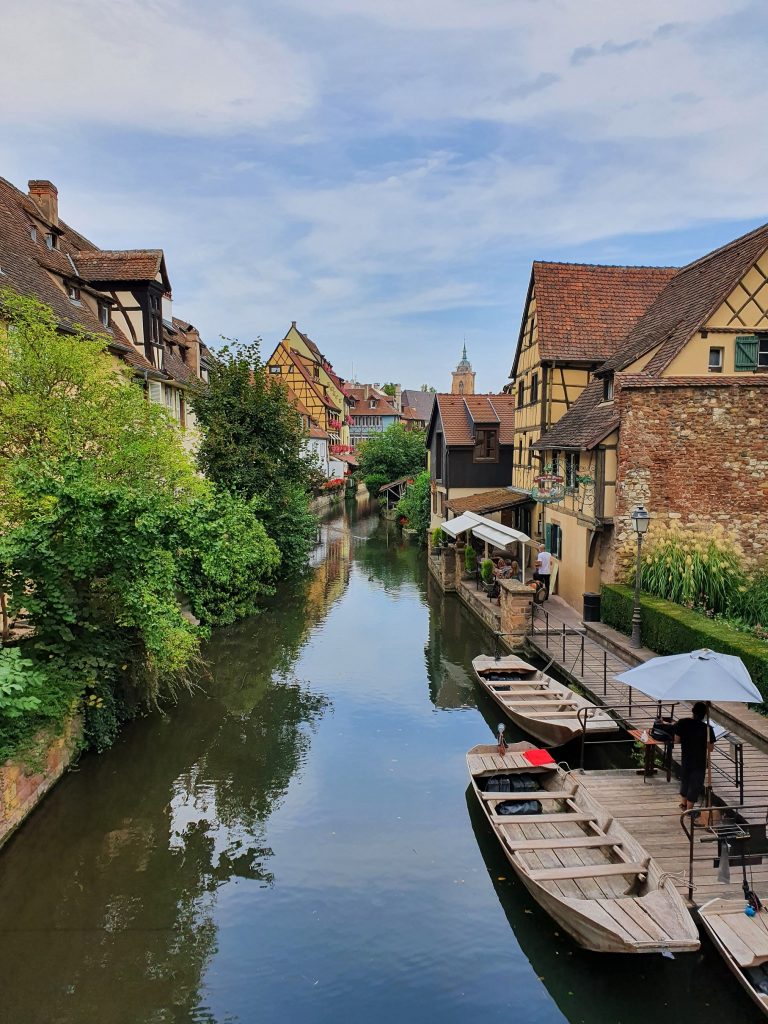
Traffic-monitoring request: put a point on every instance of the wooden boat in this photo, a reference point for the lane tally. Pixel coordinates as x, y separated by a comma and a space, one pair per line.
579, 864
742, 942
537, 703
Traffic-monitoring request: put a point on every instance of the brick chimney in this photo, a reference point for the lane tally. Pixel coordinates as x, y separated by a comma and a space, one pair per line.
46, 195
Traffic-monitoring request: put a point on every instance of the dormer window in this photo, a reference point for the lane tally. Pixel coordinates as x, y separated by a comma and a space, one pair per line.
50, 240
486, 445
104, 314
73, 293
608, 389
33, 232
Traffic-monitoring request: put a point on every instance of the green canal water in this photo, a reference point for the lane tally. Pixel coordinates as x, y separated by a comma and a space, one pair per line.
296, 842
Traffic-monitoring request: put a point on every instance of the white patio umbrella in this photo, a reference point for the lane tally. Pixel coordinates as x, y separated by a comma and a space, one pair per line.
699, 675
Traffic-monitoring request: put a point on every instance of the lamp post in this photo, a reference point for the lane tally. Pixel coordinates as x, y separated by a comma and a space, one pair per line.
640, 523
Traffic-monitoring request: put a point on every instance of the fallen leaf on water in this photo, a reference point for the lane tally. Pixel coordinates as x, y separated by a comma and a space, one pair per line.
501, 878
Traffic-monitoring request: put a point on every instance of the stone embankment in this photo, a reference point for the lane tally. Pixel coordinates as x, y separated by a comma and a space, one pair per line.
23, 785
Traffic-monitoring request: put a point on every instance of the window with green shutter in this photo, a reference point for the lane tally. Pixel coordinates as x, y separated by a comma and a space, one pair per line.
746, 352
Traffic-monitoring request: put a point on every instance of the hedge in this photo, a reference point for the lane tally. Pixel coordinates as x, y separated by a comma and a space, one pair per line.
669, 628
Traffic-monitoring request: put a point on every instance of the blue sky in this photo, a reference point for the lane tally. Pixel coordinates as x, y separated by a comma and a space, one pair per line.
384, 172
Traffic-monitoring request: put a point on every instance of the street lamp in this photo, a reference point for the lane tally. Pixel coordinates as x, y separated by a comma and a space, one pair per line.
640, 522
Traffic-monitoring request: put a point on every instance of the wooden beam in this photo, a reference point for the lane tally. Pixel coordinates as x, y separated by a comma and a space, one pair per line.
588, 871
536, 794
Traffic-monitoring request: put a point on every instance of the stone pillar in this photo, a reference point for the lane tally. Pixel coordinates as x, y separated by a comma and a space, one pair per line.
516, 601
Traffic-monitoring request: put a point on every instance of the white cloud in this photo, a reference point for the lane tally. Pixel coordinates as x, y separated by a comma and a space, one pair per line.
162, 66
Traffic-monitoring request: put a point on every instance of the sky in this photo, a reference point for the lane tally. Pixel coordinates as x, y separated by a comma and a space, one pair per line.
384, 171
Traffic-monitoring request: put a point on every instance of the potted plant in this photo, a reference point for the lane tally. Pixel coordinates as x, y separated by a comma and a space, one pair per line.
486, 571
470, 560
437, 538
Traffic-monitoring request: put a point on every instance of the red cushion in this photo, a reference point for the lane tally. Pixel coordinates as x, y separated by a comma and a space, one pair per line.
538, 757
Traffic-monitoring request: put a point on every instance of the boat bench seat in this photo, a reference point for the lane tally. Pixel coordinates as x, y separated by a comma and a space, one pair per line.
536, 794
588, 871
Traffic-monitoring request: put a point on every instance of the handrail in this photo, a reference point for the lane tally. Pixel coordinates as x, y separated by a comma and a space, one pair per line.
614, 710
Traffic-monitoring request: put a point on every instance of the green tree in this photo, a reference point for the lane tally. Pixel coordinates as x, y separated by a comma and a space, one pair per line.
389, 389
104, 524
394, 453
253, 445
428, 388
414, 506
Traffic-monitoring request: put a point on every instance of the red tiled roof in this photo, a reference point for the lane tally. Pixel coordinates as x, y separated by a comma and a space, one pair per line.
383, 401
583, 311
460, 413
320, 435
586, 423
643, 380
687, 302
308, 378
487, 501
119, 264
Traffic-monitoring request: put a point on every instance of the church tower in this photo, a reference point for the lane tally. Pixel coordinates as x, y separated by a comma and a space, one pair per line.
463, 377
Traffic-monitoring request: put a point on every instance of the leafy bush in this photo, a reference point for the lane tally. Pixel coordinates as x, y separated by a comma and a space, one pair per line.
21, 684
668, 628
486, 570
697, 568
470, 559
394, 453
437, 537
414, 506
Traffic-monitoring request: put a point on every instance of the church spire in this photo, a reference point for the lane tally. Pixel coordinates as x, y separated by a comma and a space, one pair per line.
463, 376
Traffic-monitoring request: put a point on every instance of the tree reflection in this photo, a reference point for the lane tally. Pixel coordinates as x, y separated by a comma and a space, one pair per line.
113, 888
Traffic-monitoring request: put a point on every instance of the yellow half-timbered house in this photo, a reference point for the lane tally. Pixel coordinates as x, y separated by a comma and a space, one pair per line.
674, 419
310, 375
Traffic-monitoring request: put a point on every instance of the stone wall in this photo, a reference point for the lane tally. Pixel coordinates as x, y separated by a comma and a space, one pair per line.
23, 786
516, 601
695, 454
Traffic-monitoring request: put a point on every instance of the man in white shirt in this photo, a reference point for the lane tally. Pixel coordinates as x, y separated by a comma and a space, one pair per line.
544, 567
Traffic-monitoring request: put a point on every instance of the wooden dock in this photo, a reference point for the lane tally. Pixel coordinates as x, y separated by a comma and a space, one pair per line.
648, 809
584, 662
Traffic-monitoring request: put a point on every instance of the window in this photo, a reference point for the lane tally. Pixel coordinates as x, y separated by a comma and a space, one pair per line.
762, 352
746, 354
555, 463
521, 393
608, 389
534, 388
520, 452
715, 360
486, 445
50, 240
275, 369
571, 469
73, 293
530, 456
438, 456
104, 314
33, 232
553, 539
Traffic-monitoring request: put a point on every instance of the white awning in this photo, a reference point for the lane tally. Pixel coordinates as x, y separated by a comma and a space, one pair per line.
460, 525
494, 537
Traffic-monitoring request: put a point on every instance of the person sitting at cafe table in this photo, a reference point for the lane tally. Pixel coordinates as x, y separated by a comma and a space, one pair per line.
694, 744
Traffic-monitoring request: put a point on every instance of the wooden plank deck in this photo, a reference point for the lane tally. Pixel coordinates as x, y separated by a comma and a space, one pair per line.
593, 669
648, 810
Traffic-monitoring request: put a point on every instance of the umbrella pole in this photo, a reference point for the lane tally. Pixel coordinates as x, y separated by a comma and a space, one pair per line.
708, 790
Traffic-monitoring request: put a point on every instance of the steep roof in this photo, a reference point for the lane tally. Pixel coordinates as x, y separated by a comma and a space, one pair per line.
420, 402
460, 414
363, 395
120, 264
586, 423
583, 311
25, 262
686, 303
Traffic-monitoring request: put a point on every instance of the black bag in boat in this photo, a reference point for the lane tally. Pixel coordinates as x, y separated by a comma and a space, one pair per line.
498, 784
524, 783
759, 978
513, 807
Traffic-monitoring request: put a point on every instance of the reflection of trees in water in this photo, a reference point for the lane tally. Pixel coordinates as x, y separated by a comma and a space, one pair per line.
391, 559
114, 887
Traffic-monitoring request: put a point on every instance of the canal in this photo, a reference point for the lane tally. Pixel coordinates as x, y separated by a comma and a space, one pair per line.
295, 843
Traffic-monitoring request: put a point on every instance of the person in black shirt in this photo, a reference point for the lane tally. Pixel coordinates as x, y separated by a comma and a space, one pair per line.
694, 743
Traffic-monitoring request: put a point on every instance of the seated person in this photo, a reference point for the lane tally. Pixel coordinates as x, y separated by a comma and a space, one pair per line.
514, 570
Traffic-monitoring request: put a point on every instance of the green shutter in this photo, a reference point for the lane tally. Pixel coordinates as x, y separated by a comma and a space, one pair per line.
746, 352
548, 536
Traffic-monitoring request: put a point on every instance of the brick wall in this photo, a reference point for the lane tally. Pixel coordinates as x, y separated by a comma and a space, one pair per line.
698, 455
22, 788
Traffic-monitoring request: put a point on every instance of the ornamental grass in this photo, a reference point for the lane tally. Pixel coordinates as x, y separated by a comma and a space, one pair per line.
697, 568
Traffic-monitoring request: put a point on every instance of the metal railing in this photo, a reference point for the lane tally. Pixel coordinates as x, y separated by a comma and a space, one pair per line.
644, 714
725, 824
561, 634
